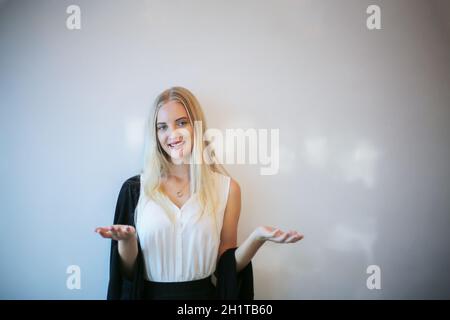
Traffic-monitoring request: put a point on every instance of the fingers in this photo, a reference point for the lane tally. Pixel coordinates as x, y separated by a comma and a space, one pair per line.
101, 229
294, 237
278, 236
116, 232
104, 232
127, 229
270, 229
285, 237
131, 229
276, 233
105, 235
291, 236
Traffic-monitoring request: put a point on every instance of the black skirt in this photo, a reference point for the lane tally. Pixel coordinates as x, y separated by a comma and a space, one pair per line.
202, 289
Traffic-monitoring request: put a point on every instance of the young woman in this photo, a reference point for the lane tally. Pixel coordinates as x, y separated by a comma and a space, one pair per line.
176, 223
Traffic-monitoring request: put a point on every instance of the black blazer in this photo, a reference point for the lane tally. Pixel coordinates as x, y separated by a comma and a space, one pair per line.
230, 284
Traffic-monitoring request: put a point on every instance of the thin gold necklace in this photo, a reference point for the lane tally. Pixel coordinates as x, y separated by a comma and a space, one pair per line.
180, 192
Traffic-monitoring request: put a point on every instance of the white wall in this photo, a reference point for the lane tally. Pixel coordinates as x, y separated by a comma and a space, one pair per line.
364, 126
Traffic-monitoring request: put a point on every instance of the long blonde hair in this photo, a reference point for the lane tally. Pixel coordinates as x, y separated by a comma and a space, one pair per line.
156, 161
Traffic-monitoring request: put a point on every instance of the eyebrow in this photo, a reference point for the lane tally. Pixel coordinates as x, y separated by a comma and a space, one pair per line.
175, 120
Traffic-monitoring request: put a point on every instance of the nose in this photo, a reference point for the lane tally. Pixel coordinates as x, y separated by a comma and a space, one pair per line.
174, 134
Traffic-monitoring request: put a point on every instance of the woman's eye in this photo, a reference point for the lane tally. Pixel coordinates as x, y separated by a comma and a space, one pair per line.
162, 127
182, 123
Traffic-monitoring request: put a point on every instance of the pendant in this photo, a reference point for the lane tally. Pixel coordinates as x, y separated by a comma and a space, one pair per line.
179, 194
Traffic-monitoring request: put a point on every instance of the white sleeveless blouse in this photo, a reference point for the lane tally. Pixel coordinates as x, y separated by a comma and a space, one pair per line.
176, 245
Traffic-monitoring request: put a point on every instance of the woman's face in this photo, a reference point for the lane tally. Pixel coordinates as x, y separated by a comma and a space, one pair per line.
175, 133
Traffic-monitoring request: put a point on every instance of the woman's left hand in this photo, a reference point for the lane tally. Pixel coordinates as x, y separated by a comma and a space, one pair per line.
266, 233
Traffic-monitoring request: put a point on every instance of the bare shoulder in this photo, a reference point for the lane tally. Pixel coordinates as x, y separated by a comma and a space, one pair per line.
235, 189
234, 196
231, 217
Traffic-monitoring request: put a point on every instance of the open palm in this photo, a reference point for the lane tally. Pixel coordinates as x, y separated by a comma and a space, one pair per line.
276, 235
117, 232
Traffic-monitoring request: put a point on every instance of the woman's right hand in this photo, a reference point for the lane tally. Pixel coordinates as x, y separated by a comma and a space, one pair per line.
117, 232
267, 233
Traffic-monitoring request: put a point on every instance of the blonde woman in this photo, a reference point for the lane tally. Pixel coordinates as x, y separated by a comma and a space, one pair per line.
175, 225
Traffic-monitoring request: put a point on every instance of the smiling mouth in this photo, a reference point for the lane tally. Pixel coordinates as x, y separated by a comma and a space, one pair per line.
176, 145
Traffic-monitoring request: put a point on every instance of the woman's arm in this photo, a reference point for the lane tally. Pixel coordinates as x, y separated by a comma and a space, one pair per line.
127, 245
128, 251
257, 238
247, 250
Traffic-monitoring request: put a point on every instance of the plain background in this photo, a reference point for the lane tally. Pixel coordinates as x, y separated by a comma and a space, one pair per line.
364, 120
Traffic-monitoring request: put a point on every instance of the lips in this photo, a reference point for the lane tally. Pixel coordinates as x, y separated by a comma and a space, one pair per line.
176, 145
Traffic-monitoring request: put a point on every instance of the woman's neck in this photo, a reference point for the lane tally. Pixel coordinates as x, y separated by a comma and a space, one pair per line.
179, 172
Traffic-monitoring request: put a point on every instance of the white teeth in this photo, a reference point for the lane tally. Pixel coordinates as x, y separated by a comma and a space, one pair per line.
176, 144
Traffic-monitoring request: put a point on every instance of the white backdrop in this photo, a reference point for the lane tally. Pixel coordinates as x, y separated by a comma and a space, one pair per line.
364, 120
